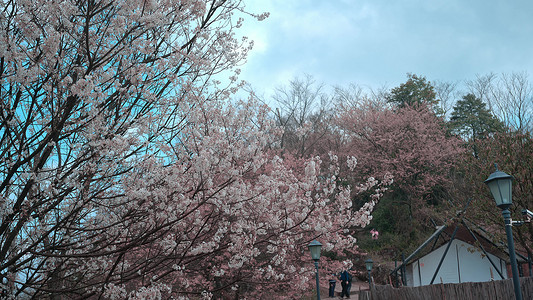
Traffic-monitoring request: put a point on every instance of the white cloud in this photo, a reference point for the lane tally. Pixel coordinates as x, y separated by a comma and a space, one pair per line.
378, 42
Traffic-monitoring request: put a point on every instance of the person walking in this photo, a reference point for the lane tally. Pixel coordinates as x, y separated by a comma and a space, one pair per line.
345, 279
349, 287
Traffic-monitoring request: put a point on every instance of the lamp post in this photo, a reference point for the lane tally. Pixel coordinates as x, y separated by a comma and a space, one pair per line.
314, 248
369, 263
500, 185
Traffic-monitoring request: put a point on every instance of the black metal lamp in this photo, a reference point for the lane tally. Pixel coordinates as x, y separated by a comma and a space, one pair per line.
315, 247
500, 185
369, 263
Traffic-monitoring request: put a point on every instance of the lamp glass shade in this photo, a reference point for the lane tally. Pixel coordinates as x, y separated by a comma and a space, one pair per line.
500, 185
369, 264
315, 247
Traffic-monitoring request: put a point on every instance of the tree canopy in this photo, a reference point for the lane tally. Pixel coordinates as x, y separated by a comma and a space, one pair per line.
415, 91
409, 143
129, 170
472, 120
511, 150
129, 173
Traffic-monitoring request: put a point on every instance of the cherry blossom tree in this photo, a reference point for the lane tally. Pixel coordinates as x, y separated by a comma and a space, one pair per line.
409, 143
128, 173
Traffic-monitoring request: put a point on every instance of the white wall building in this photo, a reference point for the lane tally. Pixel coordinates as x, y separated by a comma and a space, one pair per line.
464, 262
457, 254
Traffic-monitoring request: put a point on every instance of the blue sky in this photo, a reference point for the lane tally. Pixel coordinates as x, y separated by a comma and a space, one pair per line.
375, 43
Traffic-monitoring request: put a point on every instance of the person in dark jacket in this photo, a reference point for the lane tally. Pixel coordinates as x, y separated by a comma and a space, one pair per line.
346, 282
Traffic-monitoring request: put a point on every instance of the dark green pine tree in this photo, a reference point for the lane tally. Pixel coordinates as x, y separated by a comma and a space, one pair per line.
472, 120
415, 91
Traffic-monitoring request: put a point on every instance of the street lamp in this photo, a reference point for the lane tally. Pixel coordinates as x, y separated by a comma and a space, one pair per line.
314, 248
500, 185
369, 263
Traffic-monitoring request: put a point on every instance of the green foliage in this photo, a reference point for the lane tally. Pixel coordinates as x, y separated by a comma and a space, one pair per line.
391, 214
415, 91
472, 120
391, 244
398, 230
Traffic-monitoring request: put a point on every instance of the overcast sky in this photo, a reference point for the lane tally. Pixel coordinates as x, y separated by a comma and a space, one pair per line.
376, 42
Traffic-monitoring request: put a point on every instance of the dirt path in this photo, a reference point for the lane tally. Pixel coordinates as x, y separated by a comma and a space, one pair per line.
354, 292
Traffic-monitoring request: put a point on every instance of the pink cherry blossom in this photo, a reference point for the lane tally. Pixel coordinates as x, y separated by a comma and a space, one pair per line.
129, 172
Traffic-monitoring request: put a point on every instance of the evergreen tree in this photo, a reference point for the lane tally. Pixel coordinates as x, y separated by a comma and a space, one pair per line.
472, 120
415, 91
